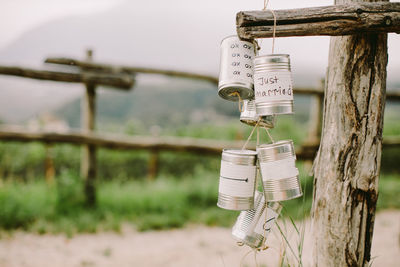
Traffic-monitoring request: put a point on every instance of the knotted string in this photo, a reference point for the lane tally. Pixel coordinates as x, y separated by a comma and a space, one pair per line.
251, 134
240, 100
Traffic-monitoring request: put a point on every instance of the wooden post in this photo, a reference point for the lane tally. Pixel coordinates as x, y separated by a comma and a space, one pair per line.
49, 164
153, 165
348, 162
88, 160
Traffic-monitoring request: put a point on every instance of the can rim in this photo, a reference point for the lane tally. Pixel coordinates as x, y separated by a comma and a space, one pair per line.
233, 35
239, 152
271, 55
275, 144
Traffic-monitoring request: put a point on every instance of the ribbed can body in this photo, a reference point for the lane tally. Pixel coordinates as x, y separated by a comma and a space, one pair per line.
273, 85
278, 171
249, 116
237, 179
253, 226
236, 69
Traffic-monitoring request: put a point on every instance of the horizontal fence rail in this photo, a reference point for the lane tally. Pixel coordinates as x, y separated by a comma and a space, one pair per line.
124, 142
106, 79
108, 68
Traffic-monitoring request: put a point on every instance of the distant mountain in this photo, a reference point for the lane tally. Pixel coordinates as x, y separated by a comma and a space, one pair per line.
168, 105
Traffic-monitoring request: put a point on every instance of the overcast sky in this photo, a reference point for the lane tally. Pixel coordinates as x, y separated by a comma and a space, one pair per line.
172, 34
205, 20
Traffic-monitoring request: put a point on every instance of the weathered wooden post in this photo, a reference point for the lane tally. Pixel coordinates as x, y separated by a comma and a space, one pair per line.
153, 164
88, 159
49, 164
348, 161
347, 165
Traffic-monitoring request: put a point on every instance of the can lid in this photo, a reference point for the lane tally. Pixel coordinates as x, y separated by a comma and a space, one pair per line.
276, 151
272, 62
239, 156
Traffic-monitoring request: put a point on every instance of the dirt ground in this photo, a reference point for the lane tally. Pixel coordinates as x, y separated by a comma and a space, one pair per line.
192, 246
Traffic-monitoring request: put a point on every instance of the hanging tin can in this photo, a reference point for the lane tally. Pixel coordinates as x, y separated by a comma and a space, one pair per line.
250, 117
236, 69
237, 179
253, 226
278, 171
273, 84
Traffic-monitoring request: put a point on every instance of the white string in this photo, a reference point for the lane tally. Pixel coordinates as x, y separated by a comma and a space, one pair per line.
258, 136
266, 2
251, 134
269, 135
255, 257
245, 255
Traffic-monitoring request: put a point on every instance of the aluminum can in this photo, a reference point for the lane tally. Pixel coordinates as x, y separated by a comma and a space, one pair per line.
278, 171
250, 117
236, 69
273, 85
253, 226
237, 179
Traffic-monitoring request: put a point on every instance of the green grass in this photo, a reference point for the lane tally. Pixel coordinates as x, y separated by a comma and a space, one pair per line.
165, 203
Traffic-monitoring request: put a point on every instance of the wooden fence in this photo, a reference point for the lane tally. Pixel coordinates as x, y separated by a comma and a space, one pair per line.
122, 77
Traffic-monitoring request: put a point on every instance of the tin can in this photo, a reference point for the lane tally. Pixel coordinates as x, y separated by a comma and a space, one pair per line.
236, 69
273, 84
237, 179
253, 226
250, 117
278, 171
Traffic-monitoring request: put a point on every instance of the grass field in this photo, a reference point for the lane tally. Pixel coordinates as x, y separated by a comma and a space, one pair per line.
185, 191
165, 203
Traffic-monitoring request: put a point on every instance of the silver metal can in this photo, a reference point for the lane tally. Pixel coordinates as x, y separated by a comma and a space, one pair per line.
253, 226
250, 117
236, 69
237, 179
273, 85
278, 171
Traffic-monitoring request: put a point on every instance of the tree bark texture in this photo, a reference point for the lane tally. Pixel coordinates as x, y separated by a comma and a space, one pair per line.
348, 162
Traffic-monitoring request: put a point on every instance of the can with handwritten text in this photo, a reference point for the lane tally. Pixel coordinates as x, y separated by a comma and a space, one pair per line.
249, 116
236, 69
273, 85
237, 179
253, 226
278, 171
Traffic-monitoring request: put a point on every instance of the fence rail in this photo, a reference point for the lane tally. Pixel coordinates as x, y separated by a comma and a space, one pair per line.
177, 144
124, 142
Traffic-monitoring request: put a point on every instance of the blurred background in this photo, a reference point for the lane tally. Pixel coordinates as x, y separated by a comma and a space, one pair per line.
41, 185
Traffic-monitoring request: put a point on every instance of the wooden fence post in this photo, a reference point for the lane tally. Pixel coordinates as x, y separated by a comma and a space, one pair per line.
49, 164
347, 165
153, 164
88, 160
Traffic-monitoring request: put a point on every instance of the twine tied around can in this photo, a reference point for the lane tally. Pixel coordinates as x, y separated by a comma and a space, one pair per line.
240, 102
251, 134
258, 135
